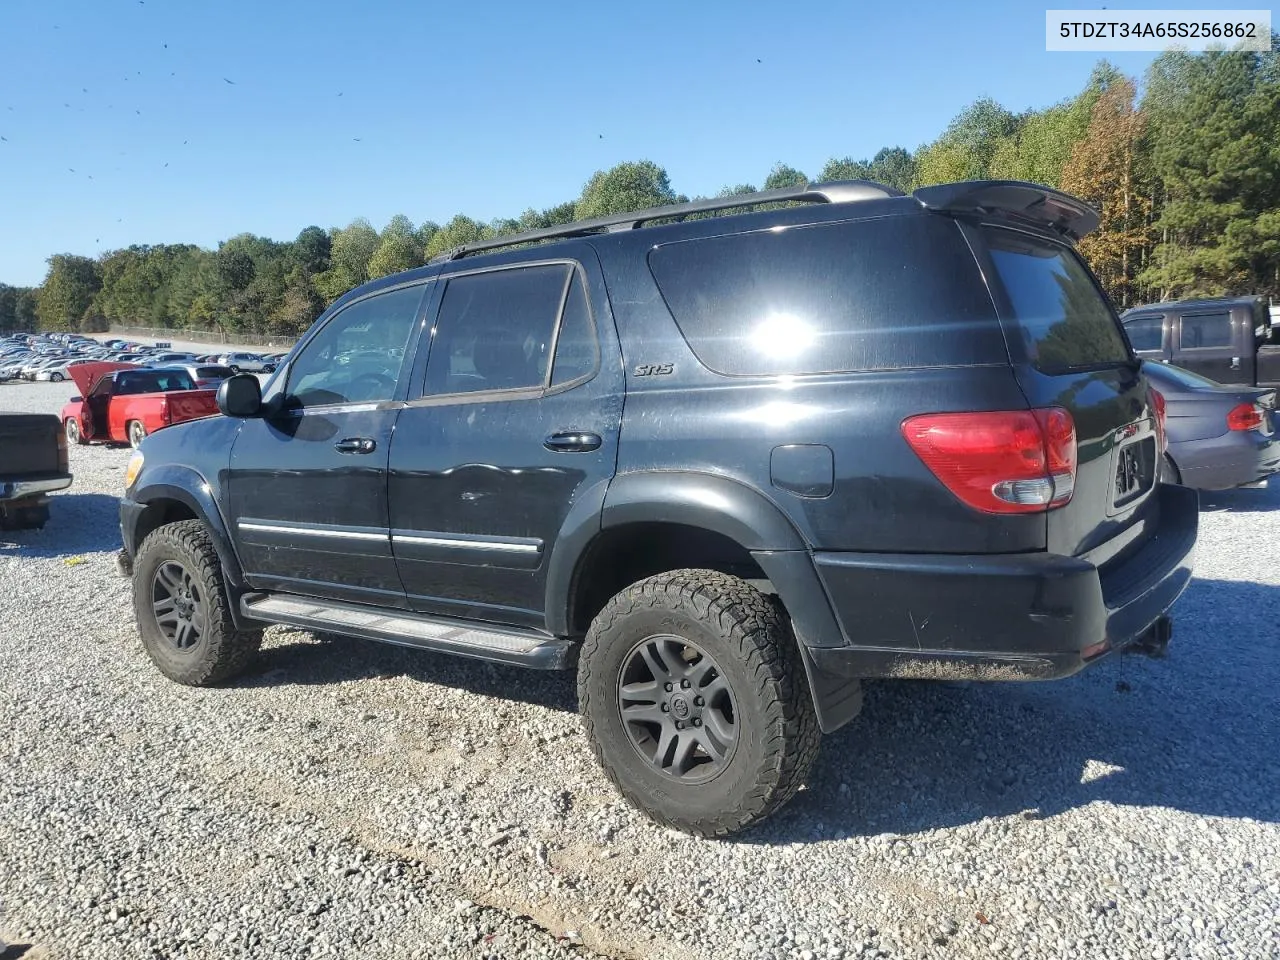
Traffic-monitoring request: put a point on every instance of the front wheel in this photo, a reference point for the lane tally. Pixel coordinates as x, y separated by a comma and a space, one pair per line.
137, 433
183, 613
56, 377
695, 700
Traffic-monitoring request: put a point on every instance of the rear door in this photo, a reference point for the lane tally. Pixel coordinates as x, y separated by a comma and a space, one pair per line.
1207, 342
1068, 351
513, 420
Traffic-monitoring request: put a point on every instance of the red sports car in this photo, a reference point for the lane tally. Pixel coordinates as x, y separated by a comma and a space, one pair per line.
123, 402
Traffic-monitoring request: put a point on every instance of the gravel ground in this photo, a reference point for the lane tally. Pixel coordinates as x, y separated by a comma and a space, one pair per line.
357, 800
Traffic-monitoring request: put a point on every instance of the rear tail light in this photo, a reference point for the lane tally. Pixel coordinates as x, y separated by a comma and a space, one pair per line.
1246, 416
1008, 461
164, 409
1162, 433
62, 451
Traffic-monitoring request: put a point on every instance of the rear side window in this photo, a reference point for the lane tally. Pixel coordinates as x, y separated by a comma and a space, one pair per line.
863, 295
1065, 322
1200, 330
1146, 333
214, 373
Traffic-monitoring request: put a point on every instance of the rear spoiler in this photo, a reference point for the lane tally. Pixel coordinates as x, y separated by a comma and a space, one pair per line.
1042, 205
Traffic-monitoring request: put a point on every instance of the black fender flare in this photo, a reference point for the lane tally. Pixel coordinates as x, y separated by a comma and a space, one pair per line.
185, 485
706, 501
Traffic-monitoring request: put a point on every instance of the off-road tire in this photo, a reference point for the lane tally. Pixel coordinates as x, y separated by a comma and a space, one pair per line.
748, 636
222, 651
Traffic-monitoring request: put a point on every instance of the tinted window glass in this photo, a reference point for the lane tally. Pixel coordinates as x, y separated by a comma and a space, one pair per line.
153, 381
1206, 330
1066, 323
494, 330
576, 351
356, 357
1146, 333
867, 295
214, 373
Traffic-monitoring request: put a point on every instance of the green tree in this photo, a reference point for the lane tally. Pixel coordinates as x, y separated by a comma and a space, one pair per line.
311, 249
457, 232
68, 291
351, 250
628, 186
968, 145
398, 249
784, 176
28, 308
1215, 134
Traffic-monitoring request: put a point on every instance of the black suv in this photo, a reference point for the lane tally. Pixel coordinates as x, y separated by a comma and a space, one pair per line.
728, 465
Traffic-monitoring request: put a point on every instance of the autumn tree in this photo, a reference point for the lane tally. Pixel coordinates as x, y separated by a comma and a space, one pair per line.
1108, 169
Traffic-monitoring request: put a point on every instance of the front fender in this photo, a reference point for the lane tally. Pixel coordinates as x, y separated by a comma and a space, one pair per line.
183, 484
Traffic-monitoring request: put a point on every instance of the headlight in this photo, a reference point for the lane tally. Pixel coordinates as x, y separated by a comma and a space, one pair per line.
133, 469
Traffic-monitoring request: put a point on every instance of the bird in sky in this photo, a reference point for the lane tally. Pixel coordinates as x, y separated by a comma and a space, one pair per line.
70, 169
356, 139
225, 80
5, 139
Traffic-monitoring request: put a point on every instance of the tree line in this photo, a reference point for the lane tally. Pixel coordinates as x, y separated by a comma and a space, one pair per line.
1186, 177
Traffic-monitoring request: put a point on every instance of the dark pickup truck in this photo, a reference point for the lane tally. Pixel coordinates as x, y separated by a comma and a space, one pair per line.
1227, 340
33, 463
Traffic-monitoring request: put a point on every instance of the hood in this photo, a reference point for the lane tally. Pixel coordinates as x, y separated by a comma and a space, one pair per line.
87, 375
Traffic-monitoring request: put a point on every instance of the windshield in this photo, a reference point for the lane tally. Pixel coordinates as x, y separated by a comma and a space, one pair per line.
1065, 322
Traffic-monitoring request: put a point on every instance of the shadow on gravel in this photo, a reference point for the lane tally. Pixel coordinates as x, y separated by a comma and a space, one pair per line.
1243, 501
78, 523
1195, 732
337, 659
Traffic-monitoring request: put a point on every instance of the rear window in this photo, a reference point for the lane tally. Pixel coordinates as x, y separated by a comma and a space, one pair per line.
862, 295
1065, 322
153, 381
214, 373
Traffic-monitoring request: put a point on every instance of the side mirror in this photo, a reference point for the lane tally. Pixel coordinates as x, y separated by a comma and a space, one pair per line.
240, 396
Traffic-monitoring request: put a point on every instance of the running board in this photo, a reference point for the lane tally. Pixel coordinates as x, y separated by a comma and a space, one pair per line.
524, 648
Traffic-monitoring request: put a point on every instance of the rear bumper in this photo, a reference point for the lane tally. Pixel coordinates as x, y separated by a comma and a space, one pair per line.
22, 489
1231, 460
1002, 617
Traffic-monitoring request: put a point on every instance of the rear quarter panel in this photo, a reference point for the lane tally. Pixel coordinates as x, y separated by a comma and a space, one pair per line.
883, 498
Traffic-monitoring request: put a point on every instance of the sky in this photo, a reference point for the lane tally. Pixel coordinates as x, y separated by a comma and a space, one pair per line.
177, 121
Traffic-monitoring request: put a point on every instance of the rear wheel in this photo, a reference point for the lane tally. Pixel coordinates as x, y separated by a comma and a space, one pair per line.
72, 430
56, 377
695, 700
183, 613
137, 433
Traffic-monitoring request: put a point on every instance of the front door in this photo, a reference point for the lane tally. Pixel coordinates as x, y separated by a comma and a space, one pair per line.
513, 419
308, 481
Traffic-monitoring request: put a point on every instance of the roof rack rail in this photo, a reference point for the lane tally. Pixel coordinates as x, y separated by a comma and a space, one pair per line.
832, 191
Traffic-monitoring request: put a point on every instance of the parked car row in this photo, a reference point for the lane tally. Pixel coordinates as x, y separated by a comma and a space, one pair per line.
49, 357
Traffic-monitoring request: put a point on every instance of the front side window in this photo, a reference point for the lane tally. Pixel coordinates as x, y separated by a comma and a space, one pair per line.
355, 358
1146, 333
494, 330
1203, 330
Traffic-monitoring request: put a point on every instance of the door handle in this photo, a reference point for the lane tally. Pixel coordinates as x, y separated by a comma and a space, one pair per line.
356, 445
572, 441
